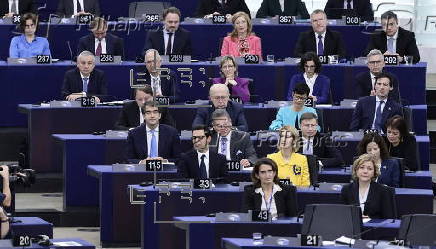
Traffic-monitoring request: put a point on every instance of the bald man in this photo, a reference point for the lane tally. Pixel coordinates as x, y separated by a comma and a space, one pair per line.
219, 99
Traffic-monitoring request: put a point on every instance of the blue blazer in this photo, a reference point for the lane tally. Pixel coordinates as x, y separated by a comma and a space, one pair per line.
114, 45
235, 111
390, 173
73, 83
168, 147
321, 89
363, 115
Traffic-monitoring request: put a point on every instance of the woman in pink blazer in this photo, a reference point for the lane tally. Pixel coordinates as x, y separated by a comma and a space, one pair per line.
241, 40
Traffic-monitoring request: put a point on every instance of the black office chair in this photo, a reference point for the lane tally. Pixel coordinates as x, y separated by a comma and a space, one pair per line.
401, 168
394, 202
138, 9
418, 229
313, 169
320, 115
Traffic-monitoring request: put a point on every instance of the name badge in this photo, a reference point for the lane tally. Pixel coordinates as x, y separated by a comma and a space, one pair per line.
391, 60
85, 19
310, 240
251, 59
219, 19
162, 100
202, 183
153, 165
43, 59
262, 216
309, 102
107, 58
352, 20
175, 58
324, 59
151, 17
16, 19
235, 99
88, 101
286, 20
233, 166
21, 241
286, 182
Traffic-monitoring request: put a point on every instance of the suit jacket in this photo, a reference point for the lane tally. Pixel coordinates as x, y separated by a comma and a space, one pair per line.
114, 45
241, 146
363, 9
286, 200
390, 173
406, 149
363, 115
321, 88
182, 41
66, 7
333, 43
168, 145
24, 6
129, 117
364, 86
231, 47
328, 154
206, 7
235, 110
379, 203
189, 167
270, 8
406, 44
73, 83
169, 86
240, 90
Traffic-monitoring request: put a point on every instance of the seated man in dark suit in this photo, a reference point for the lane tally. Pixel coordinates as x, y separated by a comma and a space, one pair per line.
101, 42
273, 8
371, 112
234, 145
131, 115
207, 8
320, 39
219, 96
335, 9
172, 39
201, 162
84, 80
10, 7
316, 144
161, 84
394, 40
153, 140
365, 81
72, 8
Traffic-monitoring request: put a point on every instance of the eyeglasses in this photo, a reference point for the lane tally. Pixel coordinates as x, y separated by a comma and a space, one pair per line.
298, 97
374, 62
222, 126
198, 137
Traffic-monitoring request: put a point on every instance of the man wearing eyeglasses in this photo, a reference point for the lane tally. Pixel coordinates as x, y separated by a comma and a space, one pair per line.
316, 144
220, 99
152, 140
234, 145
365, 81
201, 162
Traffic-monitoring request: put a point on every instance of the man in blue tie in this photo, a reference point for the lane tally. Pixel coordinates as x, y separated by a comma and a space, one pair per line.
201, 162
152, 140
371, 112
84, 80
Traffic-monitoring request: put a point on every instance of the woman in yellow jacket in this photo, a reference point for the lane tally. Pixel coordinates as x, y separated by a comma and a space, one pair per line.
291, 165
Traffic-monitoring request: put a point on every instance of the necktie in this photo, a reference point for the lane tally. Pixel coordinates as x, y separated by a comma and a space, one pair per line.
320, 45
79, 7
153, 146
223, 146
85, 84
99, 49
169, 44
378, 116
349, 4
14, 7
296, 122
203, 173
308, 148
391, 45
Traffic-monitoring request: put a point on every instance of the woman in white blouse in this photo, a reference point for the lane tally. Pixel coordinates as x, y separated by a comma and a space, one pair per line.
266, 193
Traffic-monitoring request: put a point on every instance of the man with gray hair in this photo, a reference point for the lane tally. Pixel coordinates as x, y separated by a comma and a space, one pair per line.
84, 80
234, 145
365, 80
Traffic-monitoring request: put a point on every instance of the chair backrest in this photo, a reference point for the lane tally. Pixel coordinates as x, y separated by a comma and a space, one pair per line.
418, 229
332, 221
137, 9
394, 202
401, 168
313, 169
320, 115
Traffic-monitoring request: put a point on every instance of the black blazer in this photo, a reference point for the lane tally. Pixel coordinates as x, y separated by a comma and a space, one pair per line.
73, 83
270, 8
363, 9
241, 146
24, 6
380, 203
333, 43
235, 111
182, 42
189, 167
129, 117
286, 200
66, 7
363, 115
114, 44
364, 86
168, 146
406, 44
206, 7
329, 155
407, 150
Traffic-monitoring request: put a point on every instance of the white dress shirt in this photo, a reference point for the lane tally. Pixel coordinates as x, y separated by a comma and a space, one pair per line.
166, 36
346, 4
395, 41
377, 103
227, 146
372, 80
141, 116
16, 11
282, 5
155, 85
75, 6
310, 82
103, 45
271, 203
206, 161
362, 199
156, 134
317, 40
